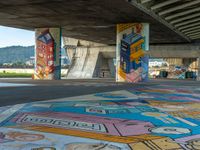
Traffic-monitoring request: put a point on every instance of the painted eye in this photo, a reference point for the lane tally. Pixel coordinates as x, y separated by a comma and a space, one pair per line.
147, 126
130, 124
95, 146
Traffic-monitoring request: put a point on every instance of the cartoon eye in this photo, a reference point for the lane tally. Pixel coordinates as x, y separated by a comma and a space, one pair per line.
130, 124
94, 146
147, 126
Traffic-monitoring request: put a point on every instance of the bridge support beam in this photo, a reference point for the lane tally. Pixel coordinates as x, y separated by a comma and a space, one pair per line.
89, 59
131, 58
47, 54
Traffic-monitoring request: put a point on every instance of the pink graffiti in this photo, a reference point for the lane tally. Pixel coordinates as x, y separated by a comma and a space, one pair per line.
105, 125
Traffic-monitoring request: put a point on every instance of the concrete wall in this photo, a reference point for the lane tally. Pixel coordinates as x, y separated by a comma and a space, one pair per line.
109, 52
165, 51
89, 62
83, 63
112, 67
88, 59
174, 51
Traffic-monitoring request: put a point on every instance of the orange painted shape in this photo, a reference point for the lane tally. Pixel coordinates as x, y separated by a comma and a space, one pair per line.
137, 55
140, 42
91, 135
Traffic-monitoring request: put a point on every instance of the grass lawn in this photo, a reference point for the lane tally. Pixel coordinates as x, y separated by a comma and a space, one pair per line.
15, 75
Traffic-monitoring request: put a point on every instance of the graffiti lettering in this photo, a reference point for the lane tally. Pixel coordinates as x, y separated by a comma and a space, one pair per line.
63, 123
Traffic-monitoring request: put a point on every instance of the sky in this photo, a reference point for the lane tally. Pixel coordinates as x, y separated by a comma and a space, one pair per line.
13, 37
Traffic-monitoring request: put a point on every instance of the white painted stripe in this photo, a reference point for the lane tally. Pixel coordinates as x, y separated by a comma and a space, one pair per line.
172, 120
186, 121
6, 114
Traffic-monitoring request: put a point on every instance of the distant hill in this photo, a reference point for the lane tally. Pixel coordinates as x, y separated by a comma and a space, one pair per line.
14, 54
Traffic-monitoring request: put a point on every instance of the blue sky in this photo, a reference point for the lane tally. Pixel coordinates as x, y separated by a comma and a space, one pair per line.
12, 36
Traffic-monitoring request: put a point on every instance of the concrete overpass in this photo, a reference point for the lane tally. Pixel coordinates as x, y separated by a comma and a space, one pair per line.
95, 20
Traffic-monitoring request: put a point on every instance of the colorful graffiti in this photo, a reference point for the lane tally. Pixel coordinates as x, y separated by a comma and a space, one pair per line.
132, 63
156, 117
48, 41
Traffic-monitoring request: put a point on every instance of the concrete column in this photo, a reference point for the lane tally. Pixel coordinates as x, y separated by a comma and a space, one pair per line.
131, 58
198, 75
47, 54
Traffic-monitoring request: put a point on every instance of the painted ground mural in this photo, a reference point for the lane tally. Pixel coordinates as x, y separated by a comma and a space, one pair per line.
132, 42
142, 118
48, 42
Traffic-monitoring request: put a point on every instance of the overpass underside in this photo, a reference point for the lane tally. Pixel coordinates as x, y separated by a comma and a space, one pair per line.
172, 21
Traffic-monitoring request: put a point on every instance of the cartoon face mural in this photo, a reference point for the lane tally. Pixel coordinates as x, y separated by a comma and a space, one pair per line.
170, 130
54, 142
18, 136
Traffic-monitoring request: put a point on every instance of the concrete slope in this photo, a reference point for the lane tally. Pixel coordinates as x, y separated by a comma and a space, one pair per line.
83, 63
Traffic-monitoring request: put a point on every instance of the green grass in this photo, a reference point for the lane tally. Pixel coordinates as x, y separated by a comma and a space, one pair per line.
15, 75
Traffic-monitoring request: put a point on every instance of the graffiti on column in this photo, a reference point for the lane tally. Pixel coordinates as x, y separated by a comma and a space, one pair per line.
47, 53
132, 42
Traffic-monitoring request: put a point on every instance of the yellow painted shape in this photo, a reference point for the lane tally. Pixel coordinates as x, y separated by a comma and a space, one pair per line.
122, 73
140, 42
122, 27
137, 55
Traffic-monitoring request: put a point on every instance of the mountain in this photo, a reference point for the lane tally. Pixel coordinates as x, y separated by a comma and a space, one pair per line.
14, 54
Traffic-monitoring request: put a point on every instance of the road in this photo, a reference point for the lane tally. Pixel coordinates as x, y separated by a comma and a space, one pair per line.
45, 90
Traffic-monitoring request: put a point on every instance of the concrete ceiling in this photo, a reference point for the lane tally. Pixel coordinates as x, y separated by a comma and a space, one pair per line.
94, 20
183, 16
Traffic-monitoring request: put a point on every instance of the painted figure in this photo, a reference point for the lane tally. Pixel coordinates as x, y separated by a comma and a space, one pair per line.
19, 136
130, 55
132, 42
87, 123
158, 144
45, 55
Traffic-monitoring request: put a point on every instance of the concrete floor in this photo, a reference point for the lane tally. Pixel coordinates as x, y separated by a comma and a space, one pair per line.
29, 90
99, 114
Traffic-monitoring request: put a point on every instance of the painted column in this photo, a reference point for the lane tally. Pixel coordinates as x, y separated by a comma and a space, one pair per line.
198, 74
131, 60
48, 54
